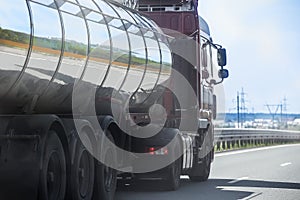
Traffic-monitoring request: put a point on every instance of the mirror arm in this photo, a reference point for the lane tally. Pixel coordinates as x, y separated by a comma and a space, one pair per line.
215, 83
194, 33
221, 81
207, 81
217, 46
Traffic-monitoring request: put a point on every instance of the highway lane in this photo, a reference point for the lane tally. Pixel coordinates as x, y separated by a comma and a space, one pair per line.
264, 173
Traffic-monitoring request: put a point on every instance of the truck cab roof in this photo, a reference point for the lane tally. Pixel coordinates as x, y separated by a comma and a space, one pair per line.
204, 26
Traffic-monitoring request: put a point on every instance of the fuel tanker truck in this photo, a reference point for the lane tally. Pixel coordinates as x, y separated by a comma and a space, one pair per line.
95, 92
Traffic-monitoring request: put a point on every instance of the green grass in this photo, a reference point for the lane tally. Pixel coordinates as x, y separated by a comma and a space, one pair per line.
248, 146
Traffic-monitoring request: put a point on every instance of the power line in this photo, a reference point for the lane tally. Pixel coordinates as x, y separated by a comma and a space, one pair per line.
281, 107
243, 107
240, 107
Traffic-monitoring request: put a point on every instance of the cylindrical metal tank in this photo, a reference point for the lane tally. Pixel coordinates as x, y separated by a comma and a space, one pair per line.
49, 46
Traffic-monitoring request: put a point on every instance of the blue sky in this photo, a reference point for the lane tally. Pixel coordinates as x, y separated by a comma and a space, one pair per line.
263, 44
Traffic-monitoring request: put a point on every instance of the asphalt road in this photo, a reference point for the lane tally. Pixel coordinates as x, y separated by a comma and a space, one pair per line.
264, 173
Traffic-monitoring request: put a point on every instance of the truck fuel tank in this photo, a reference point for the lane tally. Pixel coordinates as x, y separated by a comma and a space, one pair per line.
48, 48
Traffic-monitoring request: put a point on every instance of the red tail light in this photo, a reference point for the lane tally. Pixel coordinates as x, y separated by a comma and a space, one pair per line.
157, 150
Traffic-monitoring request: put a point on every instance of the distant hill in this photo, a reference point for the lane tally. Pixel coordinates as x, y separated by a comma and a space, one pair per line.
230, 117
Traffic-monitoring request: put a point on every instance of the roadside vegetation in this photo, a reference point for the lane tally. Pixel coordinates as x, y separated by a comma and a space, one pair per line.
75, 49
222, 146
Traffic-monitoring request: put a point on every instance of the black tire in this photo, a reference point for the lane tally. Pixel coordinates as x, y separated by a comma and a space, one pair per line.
82, 171
53, 179
200, 171
106, 177
172, 183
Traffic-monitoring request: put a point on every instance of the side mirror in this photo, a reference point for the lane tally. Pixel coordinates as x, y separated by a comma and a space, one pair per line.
222, 60
223, 73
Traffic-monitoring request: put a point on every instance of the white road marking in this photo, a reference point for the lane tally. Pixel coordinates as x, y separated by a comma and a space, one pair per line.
238, 180
253, 150
43, 59
12, 54
252, 196
285, 164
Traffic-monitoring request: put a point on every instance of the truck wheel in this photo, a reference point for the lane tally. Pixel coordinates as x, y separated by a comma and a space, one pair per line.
201, 171
53, 179
106, 177
174, 171
173, 180
82, 172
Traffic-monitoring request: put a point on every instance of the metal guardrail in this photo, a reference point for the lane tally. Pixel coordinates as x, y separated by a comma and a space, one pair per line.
230, 137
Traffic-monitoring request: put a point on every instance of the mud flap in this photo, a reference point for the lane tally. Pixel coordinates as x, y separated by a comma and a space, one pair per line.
19, 166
